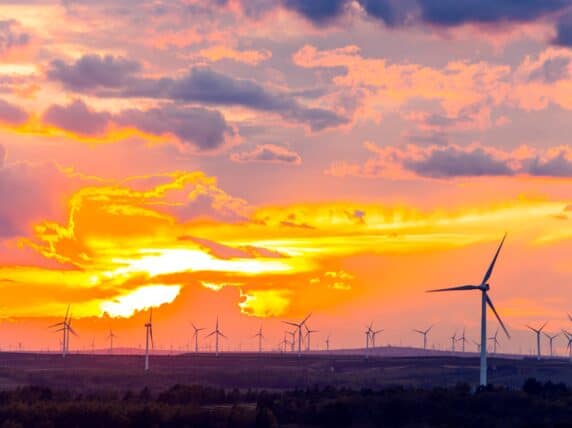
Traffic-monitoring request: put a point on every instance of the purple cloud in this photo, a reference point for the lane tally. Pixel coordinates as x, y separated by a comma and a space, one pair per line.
268, 153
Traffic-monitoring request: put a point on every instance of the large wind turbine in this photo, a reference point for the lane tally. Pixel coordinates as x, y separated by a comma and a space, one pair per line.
551, 338
196, 336
216, 332
260, 337
299, 328
537, 331
148, 337
111, 336
484, 287
424, 333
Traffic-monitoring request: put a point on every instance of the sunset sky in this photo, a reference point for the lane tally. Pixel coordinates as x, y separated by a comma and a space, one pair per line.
264, 159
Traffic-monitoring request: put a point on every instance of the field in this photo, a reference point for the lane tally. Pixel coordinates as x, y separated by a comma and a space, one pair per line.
271, 371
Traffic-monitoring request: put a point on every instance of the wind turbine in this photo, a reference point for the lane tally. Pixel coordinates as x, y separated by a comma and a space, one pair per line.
293, 341
111, 336
372, 334
196, 336
148, 336
66, 329
299, 329
463, 340
327, 344
550, 340
309, 333
537, 331
216, 334
424, 333
453, 341
569, 346
484, 288
495, 340
477, 344
367, 338
260, 337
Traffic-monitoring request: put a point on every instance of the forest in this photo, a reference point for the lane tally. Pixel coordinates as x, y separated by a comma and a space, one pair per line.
536, 404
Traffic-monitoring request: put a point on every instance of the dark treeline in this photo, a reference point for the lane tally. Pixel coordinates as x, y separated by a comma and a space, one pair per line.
535, 405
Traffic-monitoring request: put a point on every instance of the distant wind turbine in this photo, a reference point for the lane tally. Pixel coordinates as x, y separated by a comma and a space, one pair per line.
550, 340
66, 329
196, 331
484, 287
495, 340
373, 333
477, 344
453, 341
111, 336
216, 332
260, 337
537, 331
327, 343
299, 328
569, 346
148, 337
463, 340
424, 333
309, 333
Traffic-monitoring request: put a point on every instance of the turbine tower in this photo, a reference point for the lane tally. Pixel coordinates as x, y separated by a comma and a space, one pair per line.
292, 342
463, 340
216, 334
260, 337
537, 331
550, 340
484, 288
495, 340
148, 337
424, 333
327, 344
299, 331
196, 336
111, 336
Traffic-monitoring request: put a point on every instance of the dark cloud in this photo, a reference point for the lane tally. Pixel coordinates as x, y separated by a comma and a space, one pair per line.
203, 128
10, 37
115, 77
453, 162
12, 114
443, 13
78, 118
557, 166
564, 31
457, 12
268, 153
92, 72
552, 70
318, 11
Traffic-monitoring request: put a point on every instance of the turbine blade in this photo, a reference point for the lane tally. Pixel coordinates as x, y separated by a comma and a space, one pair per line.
306, 319
570, 317
460, 288
490, 303
209, 335
543, 325
56, 324
223, 335
72, 331
67, 312
492, 266
290, 323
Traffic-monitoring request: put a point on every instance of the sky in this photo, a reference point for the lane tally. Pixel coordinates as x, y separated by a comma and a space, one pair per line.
260, 160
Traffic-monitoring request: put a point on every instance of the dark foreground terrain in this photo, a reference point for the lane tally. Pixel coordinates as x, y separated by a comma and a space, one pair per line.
536, 405
267, 371
275, 390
